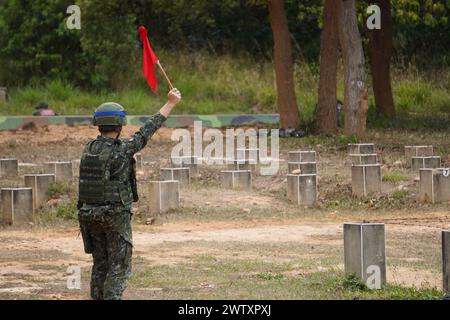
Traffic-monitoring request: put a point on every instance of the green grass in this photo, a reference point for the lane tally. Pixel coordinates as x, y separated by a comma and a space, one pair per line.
237, 84
59, 188
210, 278
395, 176
64, 212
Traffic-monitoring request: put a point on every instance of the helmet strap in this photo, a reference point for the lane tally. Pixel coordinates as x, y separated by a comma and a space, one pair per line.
119, 131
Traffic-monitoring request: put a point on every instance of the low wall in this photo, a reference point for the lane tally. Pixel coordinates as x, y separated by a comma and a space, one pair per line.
175, 121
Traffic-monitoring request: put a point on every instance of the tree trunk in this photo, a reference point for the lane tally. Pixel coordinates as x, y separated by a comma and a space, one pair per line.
284, 66
326, 117
355, 96
380, 53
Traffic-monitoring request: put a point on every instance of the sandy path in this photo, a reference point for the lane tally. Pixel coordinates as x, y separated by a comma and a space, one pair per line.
61, 248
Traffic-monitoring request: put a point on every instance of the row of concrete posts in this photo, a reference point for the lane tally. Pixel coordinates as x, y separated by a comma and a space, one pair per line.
18, 204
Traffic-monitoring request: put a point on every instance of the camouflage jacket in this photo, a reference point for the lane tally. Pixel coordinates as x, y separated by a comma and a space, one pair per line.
122, 161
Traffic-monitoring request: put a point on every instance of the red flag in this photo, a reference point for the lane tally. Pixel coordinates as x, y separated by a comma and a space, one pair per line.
149, 61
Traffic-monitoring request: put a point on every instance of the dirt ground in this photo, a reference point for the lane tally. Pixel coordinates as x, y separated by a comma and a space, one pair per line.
34, 263
227, 225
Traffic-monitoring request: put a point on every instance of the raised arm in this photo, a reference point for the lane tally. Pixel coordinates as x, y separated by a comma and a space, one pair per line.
139, 140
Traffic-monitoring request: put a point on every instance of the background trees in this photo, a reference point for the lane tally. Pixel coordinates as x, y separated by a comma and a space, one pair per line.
355, 91
379, 51
326, 115
34, 42
35, 47
284, 67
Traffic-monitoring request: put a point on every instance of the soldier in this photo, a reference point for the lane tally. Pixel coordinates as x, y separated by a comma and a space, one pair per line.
42, 109
107, 190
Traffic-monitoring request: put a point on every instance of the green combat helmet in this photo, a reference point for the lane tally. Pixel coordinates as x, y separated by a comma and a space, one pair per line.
110, 114
42, 105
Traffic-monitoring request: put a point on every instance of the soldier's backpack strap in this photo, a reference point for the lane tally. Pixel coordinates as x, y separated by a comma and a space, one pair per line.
133, 180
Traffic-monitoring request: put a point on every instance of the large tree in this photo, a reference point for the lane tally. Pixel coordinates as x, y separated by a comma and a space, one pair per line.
355, 92
325, 116
380, 53
284, 65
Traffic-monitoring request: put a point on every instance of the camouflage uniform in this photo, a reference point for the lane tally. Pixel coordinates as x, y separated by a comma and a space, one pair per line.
106, 224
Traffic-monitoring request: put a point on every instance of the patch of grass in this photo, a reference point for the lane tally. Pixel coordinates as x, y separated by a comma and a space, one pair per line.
67, 211
398, 199
59, 188
353, 283
395, 176
415, 92
59, 90
211, 278
345, 140
11, 143
269, 276
64, 212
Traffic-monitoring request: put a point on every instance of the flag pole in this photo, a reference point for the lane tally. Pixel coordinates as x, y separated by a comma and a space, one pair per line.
165, 75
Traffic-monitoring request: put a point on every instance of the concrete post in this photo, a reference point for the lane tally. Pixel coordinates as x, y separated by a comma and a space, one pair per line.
446, 261
164, 195
61, 169
434, 185
363, 158
40, 183
250, 140
3, 94
237, 179
9, 168
361, 148
366, 179
239, 165
215, 161
302, 188
251, 155
302, 156
16, 205
303, 167
76, 167
190, 162
417, 151
425, 163
365, 253
178, 174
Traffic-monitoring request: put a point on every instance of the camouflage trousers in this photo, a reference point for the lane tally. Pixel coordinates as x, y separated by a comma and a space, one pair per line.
108, 234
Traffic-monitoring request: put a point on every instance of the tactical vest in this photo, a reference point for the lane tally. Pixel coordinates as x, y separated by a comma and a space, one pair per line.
99, 183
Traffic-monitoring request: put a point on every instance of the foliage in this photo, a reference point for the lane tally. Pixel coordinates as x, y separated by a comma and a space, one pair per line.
213, 83
353, 283
59, 188
109, 39
67, 211
36, 46
34, 42
422, 31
